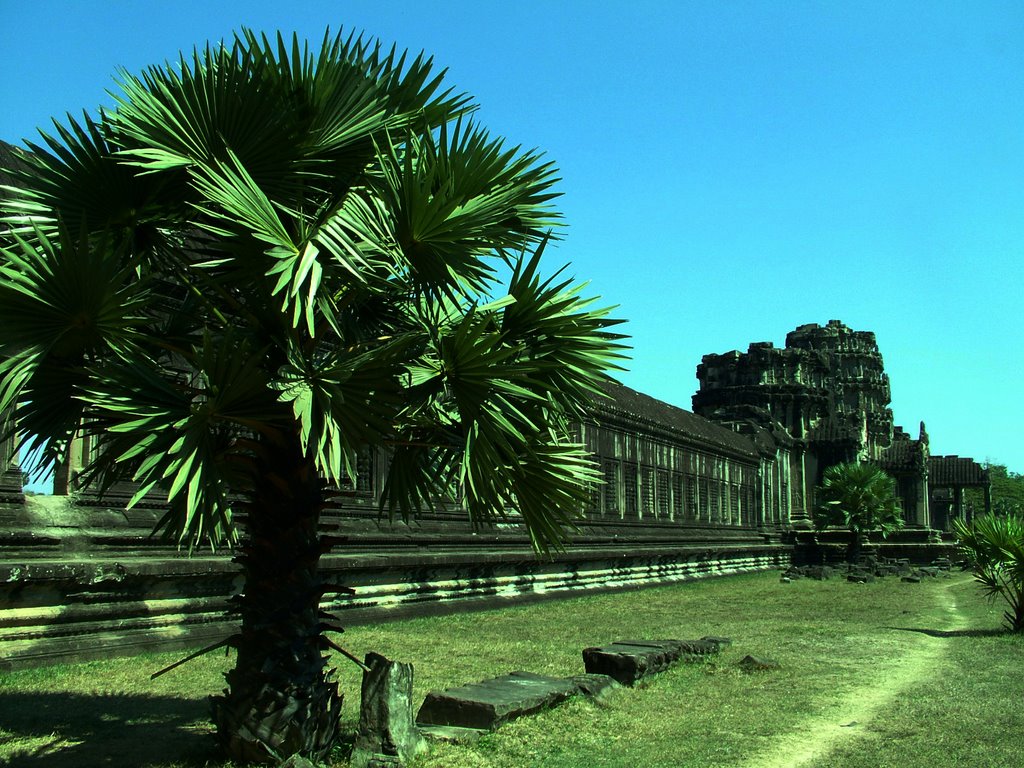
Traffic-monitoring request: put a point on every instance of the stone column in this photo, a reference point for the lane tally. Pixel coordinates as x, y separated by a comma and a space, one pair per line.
10, 466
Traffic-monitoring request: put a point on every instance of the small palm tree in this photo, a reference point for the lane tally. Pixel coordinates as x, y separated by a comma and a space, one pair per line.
994, 548
265, 262
861, 498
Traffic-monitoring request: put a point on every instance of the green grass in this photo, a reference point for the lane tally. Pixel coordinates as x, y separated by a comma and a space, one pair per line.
854, 677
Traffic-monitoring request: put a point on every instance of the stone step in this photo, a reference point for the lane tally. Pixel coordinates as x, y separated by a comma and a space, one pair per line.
628, 661
491, 703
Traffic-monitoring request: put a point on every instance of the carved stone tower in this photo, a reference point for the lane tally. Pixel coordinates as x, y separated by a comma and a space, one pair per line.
827, 389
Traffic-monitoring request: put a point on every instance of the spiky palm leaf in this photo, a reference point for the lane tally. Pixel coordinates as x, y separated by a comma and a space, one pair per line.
860, 498
264, 261
994, 548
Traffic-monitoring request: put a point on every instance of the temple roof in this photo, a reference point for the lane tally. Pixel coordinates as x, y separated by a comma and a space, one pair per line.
956, 470
682, 422
901, 455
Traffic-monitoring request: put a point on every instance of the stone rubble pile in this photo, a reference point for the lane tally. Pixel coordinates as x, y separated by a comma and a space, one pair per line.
869, 569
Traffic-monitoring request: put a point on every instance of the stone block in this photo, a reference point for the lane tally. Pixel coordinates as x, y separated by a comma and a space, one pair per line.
595, 686
386, 730
628, 661
488, 704
911, 579
757, 664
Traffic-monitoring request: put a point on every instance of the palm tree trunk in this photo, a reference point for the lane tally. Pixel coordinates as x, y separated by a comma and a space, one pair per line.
280, 699
854, 548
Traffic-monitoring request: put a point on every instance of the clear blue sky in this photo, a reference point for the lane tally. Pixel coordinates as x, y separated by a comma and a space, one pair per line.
731, 169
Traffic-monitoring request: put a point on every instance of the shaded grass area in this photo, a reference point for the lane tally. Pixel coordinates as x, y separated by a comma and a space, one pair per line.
832, 639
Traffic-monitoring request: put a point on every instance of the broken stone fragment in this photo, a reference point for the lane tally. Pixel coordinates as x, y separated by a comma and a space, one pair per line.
628, 661
387, 734
297, 761
757, 663
595, 686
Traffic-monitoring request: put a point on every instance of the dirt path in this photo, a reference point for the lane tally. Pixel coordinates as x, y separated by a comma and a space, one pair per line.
817, 736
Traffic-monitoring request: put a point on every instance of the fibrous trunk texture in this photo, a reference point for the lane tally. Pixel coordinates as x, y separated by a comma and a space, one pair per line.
280, 698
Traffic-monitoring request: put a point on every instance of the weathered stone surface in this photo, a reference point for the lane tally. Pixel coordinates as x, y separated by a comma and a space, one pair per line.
451, 734
911, 579
595, 686
297, 761
717, 640
816, 572
628, 661
491, 703
757, 663
387, 734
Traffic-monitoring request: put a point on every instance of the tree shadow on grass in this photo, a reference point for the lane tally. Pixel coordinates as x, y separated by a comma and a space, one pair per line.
954, 632
61, 730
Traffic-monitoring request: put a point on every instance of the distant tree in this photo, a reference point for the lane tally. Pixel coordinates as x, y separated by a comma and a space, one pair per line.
994, 548
1006, 493
861, 498
1007, 490
265, 262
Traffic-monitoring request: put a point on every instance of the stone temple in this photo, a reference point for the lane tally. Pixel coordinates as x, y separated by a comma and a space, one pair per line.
725, 488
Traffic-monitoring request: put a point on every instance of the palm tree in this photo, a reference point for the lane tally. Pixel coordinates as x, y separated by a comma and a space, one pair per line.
861, 498
264, 261
994, 548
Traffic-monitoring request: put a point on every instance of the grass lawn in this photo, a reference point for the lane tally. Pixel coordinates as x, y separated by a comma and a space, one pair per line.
880, 674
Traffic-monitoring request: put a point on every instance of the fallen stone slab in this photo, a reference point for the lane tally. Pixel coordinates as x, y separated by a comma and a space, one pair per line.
628, 661
595, 686
491, 703
451, 734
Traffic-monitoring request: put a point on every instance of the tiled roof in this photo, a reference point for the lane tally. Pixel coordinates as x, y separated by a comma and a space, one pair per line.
956, 470
632, 403
902, 454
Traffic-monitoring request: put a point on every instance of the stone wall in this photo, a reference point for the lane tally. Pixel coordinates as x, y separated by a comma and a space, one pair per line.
82, 577
79, 581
